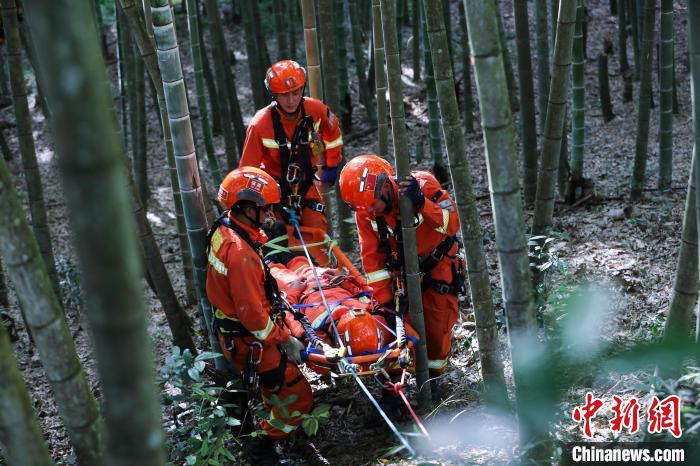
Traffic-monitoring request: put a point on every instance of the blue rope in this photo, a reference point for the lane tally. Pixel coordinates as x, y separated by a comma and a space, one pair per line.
294, 220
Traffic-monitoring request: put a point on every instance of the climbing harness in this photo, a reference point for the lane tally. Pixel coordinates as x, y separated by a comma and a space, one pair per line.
297, 171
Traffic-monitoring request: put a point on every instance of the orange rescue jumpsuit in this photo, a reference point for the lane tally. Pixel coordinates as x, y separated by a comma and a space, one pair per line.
437, 220
236, 289
261, 150
341, 295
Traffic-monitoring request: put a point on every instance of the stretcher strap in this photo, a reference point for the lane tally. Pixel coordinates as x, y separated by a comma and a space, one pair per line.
334, 304
380, 351
275, 247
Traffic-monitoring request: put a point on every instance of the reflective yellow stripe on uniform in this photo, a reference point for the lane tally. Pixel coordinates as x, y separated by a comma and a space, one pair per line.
335, 143
270, 143
217, 264
373, 223
437, 363
219, 314
377, 276
318, 321
445, 221
278, 424
264, 333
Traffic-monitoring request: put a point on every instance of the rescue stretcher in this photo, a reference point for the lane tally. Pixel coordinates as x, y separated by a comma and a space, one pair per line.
392, 352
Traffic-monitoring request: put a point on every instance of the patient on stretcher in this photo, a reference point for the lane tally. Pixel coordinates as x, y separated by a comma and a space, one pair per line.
367, 333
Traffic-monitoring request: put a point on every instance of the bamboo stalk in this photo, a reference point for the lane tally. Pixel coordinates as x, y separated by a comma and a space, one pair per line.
37, 206
403, 168
528, 118
644, 103
460, 171
380, 81
90, 158
579, 97
666, 95
554, 123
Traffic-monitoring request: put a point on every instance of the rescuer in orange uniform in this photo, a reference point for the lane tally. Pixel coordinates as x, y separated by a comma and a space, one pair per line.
368, 186
247, 317
291, 138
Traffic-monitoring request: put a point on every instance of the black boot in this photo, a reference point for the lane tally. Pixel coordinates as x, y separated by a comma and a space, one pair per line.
260, 451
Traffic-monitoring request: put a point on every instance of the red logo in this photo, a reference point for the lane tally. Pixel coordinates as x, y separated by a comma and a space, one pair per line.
370, 182
223, 194
255, 184
290, 82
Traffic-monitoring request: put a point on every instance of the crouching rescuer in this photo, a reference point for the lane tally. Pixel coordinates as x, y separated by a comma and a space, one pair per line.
249, 313
368, 186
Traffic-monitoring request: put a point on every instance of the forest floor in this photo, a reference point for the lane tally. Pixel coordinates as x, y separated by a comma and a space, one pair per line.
628, 251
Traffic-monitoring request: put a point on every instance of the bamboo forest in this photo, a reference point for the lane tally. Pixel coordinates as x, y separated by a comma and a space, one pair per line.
349, 232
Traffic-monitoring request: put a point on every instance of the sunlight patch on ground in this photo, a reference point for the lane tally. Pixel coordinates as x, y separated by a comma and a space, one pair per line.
44, 155
154, 219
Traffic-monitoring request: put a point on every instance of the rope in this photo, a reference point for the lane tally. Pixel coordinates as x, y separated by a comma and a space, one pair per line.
294, 220
391, 425
275, 248
398, 388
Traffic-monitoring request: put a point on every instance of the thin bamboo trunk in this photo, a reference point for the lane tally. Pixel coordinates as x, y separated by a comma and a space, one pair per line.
579, 97
666, 95
281, 28
479, 285
196, 51
604, 88
4, 296
467, 98
291, 31
123, 72
188, 170
528, 117
138, 129
90, 158
28, 44
625, 71
403, 168
5, 93
47, 325
209, 77
37, 206
360, 64
139, 31
644, 103
4, 148
20, 434
313, 56
434, 122
511, 245
257, 75
221, 60
341, 52
678, 326
380, 82
554, 123
542, 39
415, 28
632, 18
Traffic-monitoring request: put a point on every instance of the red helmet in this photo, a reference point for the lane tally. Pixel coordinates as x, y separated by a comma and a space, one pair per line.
362, 179
249, 184
361, 332
284, 77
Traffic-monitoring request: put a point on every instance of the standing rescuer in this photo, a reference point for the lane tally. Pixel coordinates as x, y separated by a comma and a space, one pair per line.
248, 316
368, 186
291, 138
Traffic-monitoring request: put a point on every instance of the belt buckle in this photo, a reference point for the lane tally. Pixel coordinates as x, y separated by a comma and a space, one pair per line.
318, 207
442, 288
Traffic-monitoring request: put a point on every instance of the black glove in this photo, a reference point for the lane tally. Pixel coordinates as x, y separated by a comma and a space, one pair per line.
410, 188
329, 175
